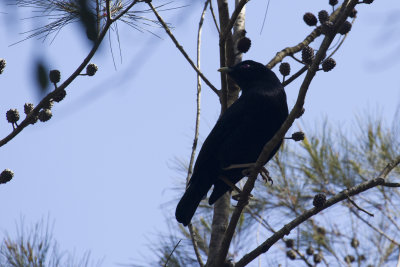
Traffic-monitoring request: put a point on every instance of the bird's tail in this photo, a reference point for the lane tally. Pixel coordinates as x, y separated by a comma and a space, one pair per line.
189, 202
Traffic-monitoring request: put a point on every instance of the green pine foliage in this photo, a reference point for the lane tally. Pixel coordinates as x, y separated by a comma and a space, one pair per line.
327, 161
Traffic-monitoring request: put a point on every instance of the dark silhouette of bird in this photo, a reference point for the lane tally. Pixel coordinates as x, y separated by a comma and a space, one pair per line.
238, 137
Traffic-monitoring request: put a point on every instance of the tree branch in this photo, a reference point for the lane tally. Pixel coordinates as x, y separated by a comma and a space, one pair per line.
60, 88
308, 40
232, 21
196, 131
69, 80
285, 230
180, 48
295, 76
214, 18
124, 11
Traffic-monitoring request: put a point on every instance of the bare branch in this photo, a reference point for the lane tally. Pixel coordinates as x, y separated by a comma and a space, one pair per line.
195, 246
172, 252
392, 184
308, 40
232, 20
180, 48
214, 18
359, 208
62, 87
108, 10
196, 131
295, 76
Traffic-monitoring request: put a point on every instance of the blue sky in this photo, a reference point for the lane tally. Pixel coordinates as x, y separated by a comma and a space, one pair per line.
103, 166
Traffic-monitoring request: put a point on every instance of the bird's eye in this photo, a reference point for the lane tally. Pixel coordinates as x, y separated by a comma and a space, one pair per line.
246, 66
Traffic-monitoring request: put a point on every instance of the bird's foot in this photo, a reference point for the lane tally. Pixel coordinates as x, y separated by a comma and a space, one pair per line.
263, 172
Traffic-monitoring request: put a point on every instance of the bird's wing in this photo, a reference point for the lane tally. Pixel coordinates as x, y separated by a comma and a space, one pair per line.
253, 124
249, 121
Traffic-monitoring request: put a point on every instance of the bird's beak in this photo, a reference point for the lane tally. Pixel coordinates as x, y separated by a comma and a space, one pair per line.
225, 69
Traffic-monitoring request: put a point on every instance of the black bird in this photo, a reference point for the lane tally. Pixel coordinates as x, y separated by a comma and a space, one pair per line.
239, 135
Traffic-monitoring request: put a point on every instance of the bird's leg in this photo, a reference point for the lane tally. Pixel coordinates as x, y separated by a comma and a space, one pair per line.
238, 166
233, 187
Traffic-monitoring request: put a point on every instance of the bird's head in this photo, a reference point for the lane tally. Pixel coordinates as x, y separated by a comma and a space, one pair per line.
249, 73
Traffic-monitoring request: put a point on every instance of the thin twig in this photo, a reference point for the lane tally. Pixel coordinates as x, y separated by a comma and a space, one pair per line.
301, 255
214, 18
359, 208
195, 246
341, 42
391, 184
298, 60
169, 257
180, 48
108, 10
98, 17
398, 259
124, 11
196, 131
295, 76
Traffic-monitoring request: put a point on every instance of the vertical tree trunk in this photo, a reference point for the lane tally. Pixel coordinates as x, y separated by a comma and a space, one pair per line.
229, 94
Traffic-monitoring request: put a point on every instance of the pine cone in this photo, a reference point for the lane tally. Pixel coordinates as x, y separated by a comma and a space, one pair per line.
291, 254
45, 115
307, 55
333, 2
243, 45
55, 76
310, 19
349, 259
289, 243
328, 64
28, 107
323, 16
3, 64
317, 258
6, 176
284, 69
319, 200
12, 115
345, 28
91, 69
353, 13
59, 95
298, 136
